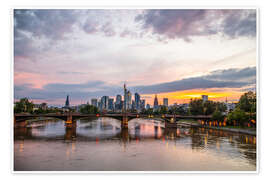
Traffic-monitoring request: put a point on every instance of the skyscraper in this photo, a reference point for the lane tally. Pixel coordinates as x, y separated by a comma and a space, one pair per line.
155, 103
94, 102
105, 102
67, 101
118, 105
129, 98
142, 104
133, 105
137, 101
165, 102
110, 104
118, 99
99, 105
125, 97
205, 98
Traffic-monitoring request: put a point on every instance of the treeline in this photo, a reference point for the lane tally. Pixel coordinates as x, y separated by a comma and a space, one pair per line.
245, 112
26, 106
89, 109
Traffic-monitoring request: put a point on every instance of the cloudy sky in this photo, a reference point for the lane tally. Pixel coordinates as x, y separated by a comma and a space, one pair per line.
179, 54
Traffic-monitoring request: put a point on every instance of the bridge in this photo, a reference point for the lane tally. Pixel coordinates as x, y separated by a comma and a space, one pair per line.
70, 118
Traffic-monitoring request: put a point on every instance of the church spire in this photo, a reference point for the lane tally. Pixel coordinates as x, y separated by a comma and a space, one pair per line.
67, 101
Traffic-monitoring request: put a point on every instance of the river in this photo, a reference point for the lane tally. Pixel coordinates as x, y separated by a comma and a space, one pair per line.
101, 145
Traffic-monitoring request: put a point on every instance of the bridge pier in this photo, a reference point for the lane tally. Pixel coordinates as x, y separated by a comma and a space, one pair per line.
170, 124
124, 123
20, 124
70, 132
69, 122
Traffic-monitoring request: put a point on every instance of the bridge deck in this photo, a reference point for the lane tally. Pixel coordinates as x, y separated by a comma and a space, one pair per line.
22, 117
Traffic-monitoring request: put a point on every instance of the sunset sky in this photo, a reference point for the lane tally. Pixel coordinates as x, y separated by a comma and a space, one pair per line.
179, 54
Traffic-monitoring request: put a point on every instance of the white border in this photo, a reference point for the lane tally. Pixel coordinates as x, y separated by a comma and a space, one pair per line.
139, 172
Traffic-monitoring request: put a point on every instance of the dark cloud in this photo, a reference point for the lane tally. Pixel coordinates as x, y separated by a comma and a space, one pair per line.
82, 91
32, 26
42, 22
240, 23
73, 87
235, 75
185, 23
230, 78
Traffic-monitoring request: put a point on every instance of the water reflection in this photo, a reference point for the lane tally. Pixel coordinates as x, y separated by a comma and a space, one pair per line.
215, 143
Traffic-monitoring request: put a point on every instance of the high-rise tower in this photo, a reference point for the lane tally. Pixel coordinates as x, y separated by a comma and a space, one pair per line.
125, 97
137, 101
67, 101
156, 103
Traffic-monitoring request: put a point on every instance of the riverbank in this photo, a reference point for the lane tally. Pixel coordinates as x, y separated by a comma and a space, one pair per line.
235, 130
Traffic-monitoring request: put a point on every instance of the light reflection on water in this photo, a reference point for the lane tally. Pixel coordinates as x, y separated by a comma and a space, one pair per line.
101, 144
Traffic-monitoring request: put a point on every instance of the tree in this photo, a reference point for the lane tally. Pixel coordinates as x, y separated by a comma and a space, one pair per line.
217, 116
239, 116
163, 110
247, 102
89, 109
198, 107
24, 105
148, 111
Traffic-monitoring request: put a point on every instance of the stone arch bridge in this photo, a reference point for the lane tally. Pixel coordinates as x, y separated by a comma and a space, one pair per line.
70, 118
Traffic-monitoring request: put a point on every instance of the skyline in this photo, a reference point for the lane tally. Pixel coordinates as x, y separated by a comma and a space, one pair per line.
176, 54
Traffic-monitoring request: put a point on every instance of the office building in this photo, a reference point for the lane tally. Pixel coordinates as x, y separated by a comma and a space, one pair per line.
155, 103
104, 102
205, 98
118, 103
94, 102
137, 101
67, 102
143, 104
165, 102
110, 104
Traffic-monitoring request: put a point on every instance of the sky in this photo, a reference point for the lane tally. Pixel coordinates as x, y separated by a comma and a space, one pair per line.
175, 53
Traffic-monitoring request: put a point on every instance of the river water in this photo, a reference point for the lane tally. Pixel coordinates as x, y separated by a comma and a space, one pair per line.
101, 145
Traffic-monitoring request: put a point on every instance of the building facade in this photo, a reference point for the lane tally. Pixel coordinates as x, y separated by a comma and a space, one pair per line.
165, 102
111, 104
205, 98
137, 101
67, 102
143, 104
94, 102
156, 103
105, 102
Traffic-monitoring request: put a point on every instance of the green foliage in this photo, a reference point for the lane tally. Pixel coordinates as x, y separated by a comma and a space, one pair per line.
45, 111
239, 116
163, 110
24, 105
247, 102
149, 111
178, 110
218, 116
198, 107
89, 109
